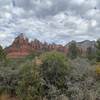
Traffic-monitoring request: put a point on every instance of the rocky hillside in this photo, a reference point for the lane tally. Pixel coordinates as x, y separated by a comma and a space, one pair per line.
22, 47
84, 45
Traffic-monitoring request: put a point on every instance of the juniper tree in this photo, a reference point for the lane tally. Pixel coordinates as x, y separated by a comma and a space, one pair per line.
98, 50
73, 50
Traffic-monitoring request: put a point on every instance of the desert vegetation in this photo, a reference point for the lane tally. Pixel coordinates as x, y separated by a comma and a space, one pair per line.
51, 76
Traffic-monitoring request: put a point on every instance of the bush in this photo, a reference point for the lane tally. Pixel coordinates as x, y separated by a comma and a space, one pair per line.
73, 50
33, 55
8, 80
98, 50
29, 86
2, 55
98, 70
90, 53
54, 69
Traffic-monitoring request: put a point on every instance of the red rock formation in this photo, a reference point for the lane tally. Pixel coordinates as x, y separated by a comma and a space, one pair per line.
19, 48
22, 47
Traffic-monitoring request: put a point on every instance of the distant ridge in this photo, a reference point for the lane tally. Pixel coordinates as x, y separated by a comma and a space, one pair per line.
22, 47
83, 44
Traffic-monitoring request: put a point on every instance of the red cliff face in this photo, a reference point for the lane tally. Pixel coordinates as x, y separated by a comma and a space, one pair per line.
22, 47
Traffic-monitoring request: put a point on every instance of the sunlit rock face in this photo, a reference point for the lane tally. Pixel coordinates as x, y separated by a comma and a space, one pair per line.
19, 48
83, 46
22, 47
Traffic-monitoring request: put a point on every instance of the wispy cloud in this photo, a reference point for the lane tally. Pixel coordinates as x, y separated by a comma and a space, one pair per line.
51, 20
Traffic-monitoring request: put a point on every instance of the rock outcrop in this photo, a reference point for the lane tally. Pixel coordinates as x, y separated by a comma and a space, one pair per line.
84, 45
22, 47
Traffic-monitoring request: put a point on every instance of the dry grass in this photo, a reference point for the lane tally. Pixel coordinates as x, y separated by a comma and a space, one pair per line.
7, 97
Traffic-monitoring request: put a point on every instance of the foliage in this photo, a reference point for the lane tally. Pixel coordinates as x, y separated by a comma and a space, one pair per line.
33, 55
54, 69
90, 53
98, 70
2, 54
8, 80
82, 84
50, 76
73, 50
98, 50
9, 75
29, 86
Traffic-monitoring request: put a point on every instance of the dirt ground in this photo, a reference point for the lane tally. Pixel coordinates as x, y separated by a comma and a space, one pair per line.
7, 97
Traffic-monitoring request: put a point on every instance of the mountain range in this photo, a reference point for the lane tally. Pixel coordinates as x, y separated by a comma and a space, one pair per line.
22, 47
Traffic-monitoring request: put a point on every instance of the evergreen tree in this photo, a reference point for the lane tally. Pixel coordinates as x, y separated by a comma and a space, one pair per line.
73, 50
29, 86
55, 67
2, 54
90, 53
98, 50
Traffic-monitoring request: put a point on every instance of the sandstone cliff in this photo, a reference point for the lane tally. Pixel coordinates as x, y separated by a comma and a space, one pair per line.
22, 47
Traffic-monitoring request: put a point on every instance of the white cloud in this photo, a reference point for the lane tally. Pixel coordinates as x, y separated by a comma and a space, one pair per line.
51, 20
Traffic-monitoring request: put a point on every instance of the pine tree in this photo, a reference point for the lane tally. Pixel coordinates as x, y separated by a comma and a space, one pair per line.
73, 50
90, 53
2, 54
98, 50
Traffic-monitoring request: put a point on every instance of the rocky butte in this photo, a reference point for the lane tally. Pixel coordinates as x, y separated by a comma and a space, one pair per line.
22, 47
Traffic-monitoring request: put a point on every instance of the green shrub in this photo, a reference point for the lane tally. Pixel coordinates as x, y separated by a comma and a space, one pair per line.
33, 55
2, 55
54, 68
8, 80
73, 51
90, 53
29, 86
98, 50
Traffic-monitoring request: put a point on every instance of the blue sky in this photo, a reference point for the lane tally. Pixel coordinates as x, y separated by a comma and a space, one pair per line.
58, 21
